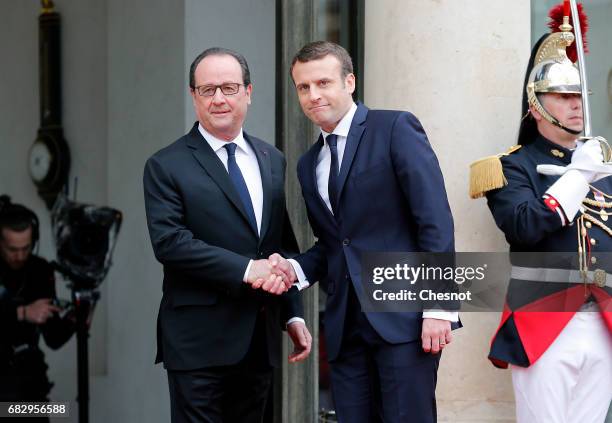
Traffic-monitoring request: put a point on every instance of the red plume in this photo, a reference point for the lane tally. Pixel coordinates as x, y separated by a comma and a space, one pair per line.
556, 19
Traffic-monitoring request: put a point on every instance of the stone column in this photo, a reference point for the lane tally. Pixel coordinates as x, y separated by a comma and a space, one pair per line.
296, 23
459, 67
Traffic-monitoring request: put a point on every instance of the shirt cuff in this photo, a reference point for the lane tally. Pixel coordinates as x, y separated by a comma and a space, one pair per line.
295, 319
245, 278
302, 282
451, 316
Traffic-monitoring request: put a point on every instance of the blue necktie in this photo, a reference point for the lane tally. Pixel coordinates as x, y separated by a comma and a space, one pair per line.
238, 180
332, 182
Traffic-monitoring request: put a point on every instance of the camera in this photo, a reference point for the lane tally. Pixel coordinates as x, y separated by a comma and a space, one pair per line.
85, 237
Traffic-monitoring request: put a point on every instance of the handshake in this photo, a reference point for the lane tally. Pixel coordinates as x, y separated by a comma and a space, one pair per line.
274, 274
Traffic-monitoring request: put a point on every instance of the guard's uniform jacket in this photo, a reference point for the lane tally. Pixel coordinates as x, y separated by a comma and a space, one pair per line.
531, 226
23, 371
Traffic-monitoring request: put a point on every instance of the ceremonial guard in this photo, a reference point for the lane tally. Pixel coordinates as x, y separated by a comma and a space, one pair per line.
551, 195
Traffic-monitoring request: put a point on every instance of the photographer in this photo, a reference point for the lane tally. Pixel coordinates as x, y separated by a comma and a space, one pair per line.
27, 308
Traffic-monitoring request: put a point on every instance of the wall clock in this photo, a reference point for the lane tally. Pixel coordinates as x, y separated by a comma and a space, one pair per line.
49, 156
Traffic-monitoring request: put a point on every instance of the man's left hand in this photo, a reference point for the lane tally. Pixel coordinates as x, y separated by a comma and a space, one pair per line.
436, 335
302, 341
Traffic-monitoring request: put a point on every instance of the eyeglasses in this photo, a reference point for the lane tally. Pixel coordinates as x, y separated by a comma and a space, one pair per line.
229, 88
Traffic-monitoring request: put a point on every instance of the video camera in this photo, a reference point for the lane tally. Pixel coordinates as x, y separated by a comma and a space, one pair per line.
85, 237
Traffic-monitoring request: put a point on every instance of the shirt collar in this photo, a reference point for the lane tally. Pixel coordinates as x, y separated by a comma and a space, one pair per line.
216, 144
343, 127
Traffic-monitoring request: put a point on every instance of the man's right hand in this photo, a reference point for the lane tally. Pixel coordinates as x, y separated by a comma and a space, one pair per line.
40, 311
278, 266
282, 265
263, 274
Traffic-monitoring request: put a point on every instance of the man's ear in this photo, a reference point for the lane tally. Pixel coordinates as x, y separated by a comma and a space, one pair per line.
349, 82
249, 90
536, 115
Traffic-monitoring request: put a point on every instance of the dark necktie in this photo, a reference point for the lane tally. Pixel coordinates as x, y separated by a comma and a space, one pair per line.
332, 182
238, 180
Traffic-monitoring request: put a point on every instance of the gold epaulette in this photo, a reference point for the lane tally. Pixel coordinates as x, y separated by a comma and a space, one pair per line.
487, 174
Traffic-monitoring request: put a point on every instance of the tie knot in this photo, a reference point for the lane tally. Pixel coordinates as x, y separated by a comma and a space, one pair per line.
231, 148
332, 140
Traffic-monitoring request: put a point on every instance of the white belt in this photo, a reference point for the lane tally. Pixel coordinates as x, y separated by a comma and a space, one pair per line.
540, 274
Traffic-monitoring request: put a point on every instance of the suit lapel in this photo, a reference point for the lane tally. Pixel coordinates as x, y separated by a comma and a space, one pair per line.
265, 169
352, 142
210, 162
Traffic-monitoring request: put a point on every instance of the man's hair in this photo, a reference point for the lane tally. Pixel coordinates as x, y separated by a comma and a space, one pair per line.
318, 50
15, 217
220, 51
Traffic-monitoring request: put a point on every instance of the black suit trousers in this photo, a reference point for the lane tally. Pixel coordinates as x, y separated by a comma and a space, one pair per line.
224, 394
376, 381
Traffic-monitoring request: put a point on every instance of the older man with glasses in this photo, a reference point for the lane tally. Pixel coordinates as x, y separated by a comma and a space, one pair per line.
215, 207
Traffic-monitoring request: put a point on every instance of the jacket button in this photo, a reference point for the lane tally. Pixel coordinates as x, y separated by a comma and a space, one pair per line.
346, 242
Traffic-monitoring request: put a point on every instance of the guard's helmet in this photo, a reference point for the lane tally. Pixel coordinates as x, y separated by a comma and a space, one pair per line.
553, 72
552, 69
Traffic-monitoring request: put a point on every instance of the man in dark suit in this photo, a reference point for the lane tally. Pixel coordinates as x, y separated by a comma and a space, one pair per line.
215, 208
371, 183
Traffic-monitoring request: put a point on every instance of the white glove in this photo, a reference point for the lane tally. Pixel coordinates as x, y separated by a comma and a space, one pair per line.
587, 166
588, 159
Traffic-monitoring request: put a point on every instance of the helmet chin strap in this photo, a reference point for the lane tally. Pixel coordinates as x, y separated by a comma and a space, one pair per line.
565, 128
533, 100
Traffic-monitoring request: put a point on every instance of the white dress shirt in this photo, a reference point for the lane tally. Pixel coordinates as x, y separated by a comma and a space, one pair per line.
322, 172
249, 166
324, 159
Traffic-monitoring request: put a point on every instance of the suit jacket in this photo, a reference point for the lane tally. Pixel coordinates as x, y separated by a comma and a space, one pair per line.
391, 197
201, 234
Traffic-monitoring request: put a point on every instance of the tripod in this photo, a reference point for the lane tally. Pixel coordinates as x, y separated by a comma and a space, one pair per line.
84, 299
84, 302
